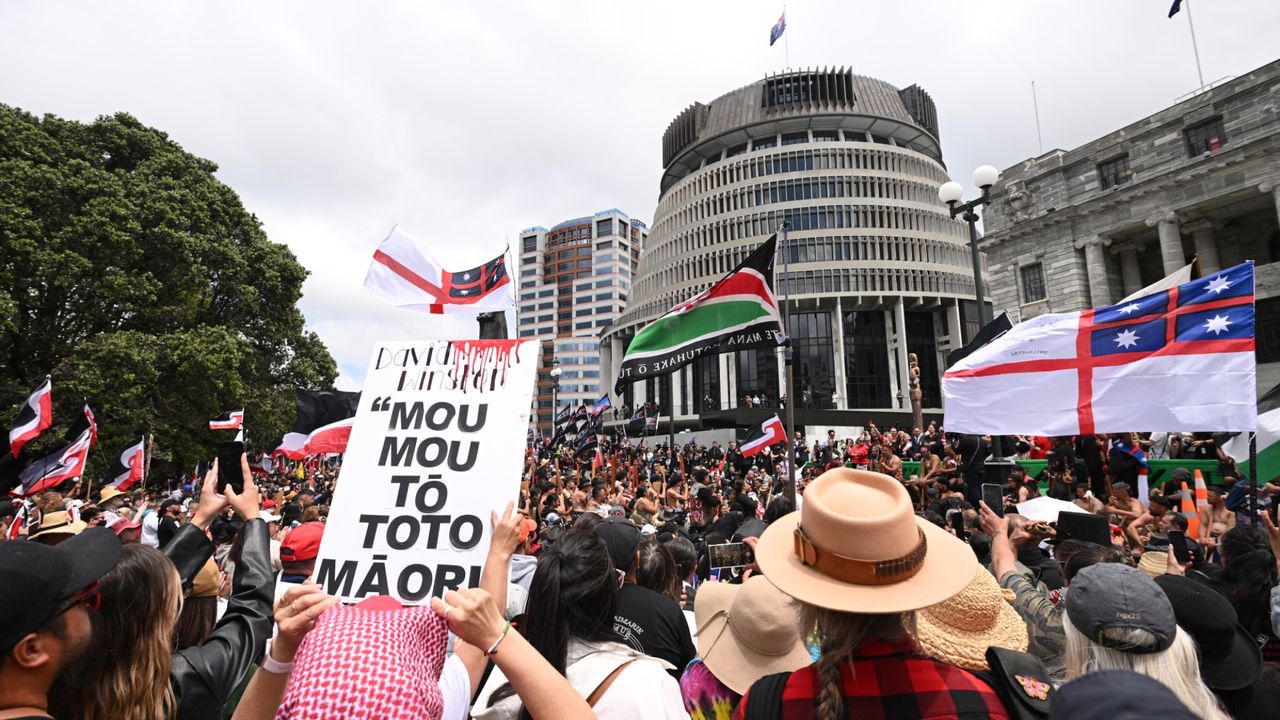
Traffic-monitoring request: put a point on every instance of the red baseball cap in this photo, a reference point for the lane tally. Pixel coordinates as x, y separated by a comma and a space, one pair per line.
302, 543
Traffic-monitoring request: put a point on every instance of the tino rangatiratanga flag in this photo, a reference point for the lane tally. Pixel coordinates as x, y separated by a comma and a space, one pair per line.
229, 420
34, 418
1179, 358
405, 274
768, 433
127, 469
739, 312
56, 468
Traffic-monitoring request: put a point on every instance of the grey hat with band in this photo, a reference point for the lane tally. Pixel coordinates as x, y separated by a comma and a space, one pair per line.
1111, 595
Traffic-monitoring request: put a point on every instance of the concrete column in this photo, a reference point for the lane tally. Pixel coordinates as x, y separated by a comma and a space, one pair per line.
837, 339
1206, 247
726, 360
615, 362
1130, 271
891, 340
1095, 260
955, 328
1272, 187
1170, 242
900, 329
677, 384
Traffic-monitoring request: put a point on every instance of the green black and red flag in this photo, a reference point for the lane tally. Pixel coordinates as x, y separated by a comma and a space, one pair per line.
739, 312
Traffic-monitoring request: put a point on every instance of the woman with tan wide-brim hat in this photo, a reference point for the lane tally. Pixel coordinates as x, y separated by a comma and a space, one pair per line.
860, 563
745, 632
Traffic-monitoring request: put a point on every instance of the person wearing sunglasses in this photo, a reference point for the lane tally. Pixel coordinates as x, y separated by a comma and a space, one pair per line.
46, 594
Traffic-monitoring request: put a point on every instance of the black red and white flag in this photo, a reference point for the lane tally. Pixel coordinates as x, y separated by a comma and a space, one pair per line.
770, 432
83, 423
127, 469
34, 418
229, 420
318, 410
54, 469
331, 438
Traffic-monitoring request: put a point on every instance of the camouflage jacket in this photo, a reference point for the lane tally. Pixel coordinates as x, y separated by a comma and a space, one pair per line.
1044, 622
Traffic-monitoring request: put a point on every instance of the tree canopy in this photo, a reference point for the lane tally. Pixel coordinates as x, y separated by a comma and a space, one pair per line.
140, 282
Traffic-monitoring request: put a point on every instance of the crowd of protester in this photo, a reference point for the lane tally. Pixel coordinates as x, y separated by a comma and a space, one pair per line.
886, 593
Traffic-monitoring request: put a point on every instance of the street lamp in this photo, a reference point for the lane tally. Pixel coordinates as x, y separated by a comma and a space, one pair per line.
555, 387
951, 193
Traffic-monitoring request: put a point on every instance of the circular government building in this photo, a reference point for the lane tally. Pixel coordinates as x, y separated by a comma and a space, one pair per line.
875, 267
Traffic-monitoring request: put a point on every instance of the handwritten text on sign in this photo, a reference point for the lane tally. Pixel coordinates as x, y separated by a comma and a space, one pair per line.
437, 444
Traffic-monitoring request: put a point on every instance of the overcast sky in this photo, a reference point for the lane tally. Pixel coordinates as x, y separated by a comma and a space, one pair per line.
469, 121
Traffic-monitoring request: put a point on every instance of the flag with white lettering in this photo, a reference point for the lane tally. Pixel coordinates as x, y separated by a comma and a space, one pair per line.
739, 312
1181, 358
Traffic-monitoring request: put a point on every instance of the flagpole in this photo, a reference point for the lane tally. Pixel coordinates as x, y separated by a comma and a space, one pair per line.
671, 420
146, 460
1253, 477
789, 487
786, 40
1195, 48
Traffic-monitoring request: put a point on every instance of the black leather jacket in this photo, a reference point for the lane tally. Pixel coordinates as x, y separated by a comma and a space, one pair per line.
204, 676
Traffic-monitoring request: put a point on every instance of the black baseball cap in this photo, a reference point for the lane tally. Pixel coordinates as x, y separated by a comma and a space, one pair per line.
1229, 658
1111, 595
622, 538
36, 579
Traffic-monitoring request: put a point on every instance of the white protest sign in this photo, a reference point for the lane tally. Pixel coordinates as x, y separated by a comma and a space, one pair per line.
438, 443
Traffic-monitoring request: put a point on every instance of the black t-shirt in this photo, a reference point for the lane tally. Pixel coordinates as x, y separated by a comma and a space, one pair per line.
165, 530
653, 624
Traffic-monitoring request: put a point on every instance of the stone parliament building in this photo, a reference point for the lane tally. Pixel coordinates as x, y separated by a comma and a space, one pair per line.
1073, 229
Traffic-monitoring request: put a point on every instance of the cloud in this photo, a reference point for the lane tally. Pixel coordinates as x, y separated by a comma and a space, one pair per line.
467, 122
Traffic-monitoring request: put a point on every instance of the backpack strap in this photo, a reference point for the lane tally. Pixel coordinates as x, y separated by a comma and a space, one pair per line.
764, 699
600, 690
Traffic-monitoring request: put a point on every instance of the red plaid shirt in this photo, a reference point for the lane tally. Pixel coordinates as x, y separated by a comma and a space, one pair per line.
891, 681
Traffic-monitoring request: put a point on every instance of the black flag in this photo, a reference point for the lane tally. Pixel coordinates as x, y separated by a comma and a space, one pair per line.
989, 332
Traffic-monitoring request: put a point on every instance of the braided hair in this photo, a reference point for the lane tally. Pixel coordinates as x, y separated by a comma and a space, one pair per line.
840, 634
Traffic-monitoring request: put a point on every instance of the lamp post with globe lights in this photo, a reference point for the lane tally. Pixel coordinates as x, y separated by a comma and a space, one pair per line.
951, 193
997, 469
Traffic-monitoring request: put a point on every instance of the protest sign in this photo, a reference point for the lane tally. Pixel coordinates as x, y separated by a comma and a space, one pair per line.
438, 444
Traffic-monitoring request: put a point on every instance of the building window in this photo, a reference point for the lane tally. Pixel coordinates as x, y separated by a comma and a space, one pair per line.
757, 374
1113, 172
1033, 289
1205, 137
866, 359
604, 227
530, 244
923, 341
825, 136
815, 376
795, 138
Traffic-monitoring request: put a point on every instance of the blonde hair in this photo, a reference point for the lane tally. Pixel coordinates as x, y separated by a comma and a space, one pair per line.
133, 633
839, 634
1177, 667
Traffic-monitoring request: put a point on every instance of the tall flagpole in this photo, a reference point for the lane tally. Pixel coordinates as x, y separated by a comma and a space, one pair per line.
1195, 48
789, 487
786, 41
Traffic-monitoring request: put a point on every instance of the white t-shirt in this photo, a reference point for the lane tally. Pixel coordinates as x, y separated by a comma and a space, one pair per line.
455, 688
643, 691
151, 529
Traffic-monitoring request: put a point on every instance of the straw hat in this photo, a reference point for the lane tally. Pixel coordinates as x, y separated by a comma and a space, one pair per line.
747, 631
857, 546
107, 493
959, 630
58, 523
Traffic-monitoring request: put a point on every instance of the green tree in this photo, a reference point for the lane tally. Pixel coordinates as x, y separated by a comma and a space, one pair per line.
139, 281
